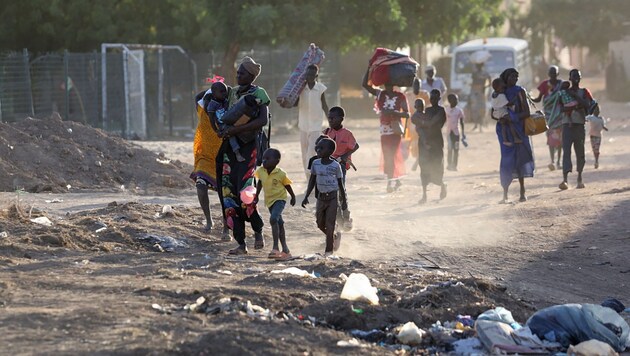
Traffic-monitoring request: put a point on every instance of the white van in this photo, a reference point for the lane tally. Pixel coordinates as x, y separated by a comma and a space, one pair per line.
506, 53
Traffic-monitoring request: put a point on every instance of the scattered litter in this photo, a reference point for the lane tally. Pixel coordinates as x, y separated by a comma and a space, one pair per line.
592, 248
4, 234
42, 220
574, 323
256, 311
470, 346
350, 343
373, 335
69, 130
357, 310
358, 287
193, 307
68, 186
163, 243
163, 161
55, 200
591, 347
159, 308
102, 228
83, 262
500, 314
98, 163
167, 210
410, 334
296, 272
226, 272
254, 270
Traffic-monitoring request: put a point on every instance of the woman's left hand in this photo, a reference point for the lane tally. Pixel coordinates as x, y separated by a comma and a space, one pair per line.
226, 132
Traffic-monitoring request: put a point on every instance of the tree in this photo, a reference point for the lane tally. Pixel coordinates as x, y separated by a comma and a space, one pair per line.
230, 26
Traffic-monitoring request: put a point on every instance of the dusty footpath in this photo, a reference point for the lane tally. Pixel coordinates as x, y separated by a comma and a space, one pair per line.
95, 281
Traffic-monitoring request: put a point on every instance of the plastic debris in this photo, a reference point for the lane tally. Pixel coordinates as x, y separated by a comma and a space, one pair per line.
470, 346
226, 272
42, 220
358, 288
4, 234
591, 347
163, 161
193, 307
163, 243
410, 334
373, 335
500, 314
256, 311
55, 200
296, 272
350, 343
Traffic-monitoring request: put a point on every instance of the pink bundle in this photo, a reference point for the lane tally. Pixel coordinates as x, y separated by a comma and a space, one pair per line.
290, 92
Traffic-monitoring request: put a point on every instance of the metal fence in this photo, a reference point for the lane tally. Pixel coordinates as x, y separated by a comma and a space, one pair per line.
137, 91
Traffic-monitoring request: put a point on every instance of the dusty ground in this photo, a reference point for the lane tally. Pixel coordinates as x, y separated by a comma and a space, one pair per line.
68, 289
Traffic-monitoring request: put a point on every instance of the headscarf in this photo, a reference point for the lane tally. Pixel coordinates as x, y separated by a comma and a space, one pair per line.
506, 73
431, 67
251, 66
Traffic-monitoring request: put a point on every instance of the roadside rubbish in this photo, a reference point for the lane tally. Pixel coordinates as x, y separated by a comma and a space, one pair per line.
167, 210
571, 324
296, 272
358, 287
499, 337
256, 311
468, 347
55, 200
226, 272
4, 234
373, 335
410, 334
42, 220
350, 343
163, 243
614, 304
500, 314
590, 348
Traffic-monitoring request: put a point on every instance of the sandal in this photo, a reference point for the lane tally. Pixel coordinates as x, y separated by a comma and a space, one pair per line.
284, 256
241, 250
274, 254
225, 235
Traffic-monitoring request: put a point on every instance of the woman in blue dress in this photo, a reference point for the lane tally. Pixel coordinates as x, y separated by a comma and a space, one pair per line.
517, 161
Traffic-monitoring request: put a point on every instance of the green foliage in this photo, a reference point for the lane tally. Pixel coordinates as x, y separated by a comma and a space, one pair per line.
582, 23
201, 25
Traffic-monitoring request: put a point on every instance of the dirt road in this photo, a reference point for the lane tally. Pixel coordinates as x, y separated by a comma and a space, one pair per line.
67, 289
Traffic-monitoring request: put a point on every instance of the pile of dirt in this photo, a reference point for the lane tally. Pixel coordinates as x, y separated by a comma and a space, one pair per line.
52, 155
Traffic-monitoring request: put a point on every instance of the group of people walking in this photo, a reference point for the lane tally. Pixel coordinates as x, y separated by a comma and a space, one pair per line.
230, 144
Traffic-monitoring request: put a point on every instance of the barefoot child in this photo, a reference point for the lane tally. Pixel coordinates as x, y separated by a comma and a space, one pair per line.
276, 184
596, 125
327, 175
500, 105
454, 119
346, 146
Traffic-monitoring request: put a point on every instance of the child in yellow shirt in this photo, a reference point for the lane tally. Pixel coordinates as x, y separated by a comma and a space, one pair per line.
276, 184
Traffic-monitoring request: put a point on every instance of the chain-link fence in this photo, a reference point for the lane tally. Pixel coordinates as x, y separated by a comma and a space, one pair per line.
136, 90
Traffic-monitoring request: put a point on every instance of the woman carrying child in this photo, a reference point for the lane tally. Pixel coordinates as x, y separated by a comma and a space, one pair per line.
517, 160
392, 107
234, 176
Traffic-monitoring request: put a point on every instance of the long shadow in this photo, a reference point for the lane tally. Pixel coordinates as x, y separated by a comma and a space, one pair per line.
590, 265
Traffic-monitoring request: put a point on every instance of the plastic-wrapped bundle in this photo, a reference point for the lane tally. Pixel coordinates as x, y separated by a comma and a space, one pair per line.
390, 67
290, 92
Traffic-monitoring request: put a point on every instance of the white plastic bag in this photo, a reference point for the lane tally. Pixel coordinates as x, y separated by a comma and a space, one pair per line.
410, 334
358, 287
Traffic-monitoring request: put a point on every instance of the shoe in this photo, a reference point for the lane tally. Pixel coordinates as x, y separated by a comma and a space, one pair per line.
337, 241
563, 186
443, 191
580, 185
274, 254
225, 235
398, 184
390, 189
558, 166
522, 199
596, 165
423, 200
551, 167
328, 254
259, 242
239, 157
241, 250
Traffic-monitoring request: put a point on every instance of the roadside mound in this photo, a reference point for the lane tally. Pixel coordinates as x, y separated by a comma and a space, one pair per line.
52, 155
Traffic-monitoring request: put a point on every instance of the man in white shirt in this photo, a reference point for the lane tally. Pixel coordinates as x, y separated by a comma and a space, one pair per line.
312, 111
433, 82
